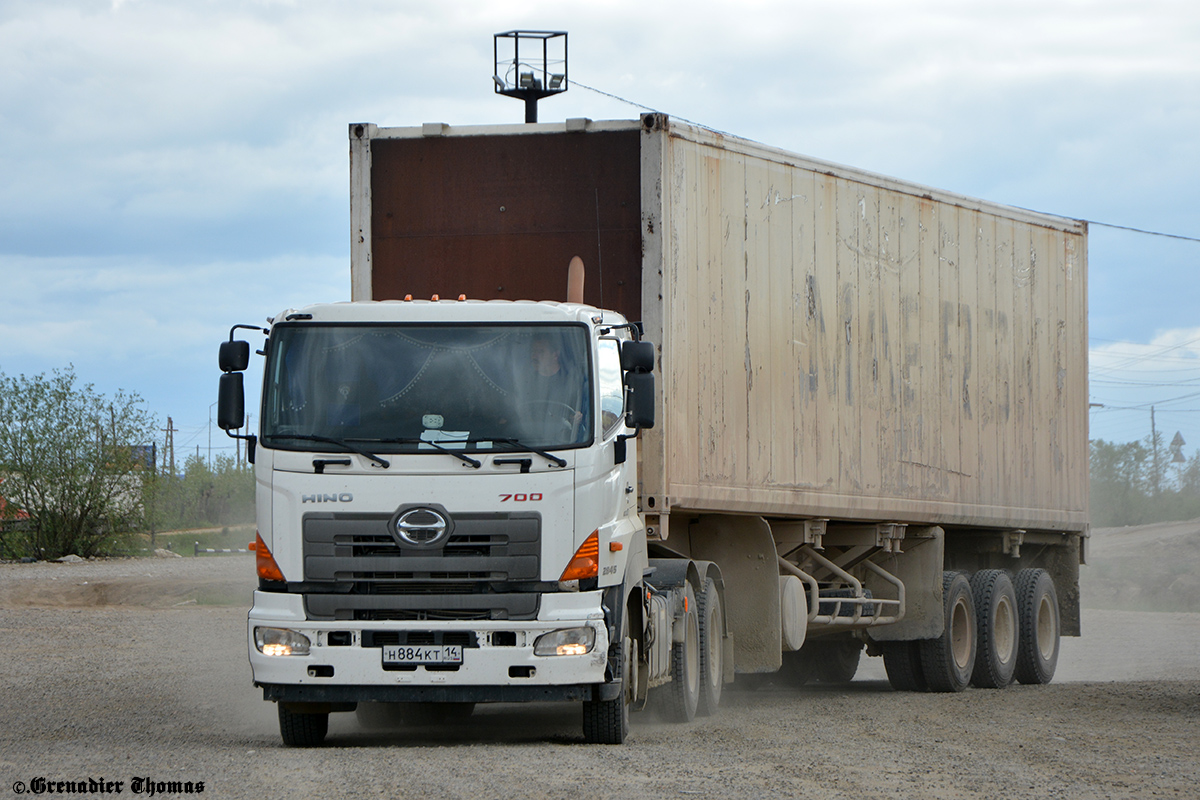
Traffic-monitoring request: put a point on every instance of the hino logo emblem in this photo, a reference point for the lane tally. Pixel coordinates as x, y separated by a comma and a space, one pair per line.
422, 527
344, 497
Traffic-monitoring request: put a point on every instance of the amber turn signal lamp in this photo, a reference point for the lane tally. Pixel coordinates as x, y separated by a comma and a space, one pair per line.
586, 561
267, 568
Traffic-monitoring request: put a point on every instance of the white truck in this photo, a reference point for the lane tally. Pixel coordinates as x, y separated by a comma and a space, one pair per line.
795, 412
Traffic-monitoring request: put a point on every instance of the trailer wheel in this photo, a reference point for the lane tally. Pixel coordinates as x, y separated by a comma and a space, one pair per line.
902, 660
712, 649
436, 713
375, 716
1037, 610
302, 730
836, 661
684, 689
996, 626
949, 660
798, 667
607, 721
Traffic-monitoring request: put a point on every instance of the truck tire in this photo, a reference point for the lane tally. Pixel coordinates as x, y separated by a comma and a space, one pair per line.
683, 692
302, 730
902, 660
436, 713
948, 661
798, 667
996, 628
712, 649
607, 721
836, 661
1037, 612
374, 716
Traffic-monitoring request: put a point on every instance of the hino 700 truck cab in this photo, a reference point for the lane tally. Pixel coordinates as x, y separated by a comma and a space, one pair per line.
446, 495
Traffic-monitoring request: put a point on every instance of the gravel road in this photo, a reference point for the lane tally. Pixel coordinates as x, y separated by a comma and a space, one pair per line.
126, 669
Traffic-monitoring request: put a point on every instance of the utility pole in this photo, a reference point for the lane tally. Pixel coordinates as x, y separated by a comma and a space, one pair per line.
169, 450
1154, 445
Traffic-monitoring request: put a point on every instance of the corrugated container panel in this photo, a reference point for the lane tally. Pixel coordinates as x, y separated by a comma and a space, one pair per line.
834, 343
838, 344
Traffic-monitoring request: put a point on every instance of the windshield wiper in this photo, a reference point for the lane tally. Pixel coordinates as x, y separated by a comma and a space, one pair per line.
518, 444
312, 437
460, 456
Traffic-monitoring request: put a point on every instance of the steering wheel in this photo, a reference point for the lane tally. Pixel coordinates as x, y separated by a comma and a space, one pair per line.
554, 410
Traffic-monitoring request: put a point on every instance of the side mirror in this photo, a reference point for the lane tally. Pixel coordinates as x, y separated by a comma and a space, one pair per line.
640, 391
637, 356
231, 401
234, 356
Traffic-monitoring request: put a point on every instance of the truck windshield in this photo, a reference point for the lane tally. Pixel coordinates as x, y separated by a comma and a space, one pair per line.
417, 388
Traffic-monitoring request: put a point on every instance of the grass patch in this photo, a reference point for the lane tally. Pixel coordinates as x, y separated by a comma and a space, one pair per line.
232, 537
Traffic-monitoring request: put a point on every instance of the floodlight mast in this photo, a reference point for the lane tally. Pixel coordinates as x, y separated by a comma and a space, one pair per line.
534, 66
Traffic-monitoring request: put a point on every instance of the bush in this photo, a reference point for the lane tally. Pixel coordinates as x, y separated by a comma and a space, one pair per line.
1127, 491
204, 496
72, 463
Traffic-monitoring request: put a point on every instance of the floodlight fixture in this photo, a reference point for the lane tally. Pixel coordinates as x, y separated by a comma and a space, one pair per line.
530, 65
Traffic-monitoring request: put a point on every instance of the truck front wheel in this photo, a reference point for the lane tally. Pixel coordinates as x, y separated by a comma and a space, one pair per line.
607, 721
302, 730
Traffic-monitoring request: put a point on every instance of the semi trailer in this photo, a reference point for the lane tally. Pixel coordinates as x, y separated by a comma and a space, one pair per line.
790, 413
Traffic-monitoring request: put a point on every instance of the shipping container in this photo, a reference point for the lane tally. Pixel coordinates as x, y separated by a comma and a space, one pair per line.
833, 343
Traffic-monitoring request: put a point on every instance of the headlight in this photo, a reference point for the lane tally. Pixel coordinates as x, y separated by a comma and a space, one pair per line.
568, 642
280, 642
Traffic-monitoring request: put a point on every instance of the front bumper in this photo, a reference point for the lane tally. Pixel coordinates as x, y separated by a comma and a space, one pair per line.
499, 667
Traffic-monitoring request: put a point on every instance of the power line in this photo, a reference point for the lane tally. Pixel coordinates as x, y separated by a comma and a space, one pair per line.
1149, 368
724, 133
1140, 230
1159, 351
1145, 406
656, 110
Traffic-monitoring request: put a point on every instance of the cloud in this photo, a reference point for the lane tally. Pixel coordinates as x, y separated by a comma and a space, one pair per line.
149, 326
170, 168
1129, 378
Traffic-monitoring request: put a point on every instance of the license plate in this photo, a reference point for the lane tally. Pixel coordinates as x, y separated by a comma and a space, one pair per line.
422, 654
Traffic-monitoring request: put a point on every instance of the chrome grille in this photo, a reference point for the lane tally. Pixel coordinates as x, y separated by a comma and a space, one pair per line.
484, 571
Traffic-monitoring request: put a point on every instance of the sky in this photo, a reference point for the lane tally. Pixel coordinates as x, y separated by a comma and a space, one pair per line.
169, 169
